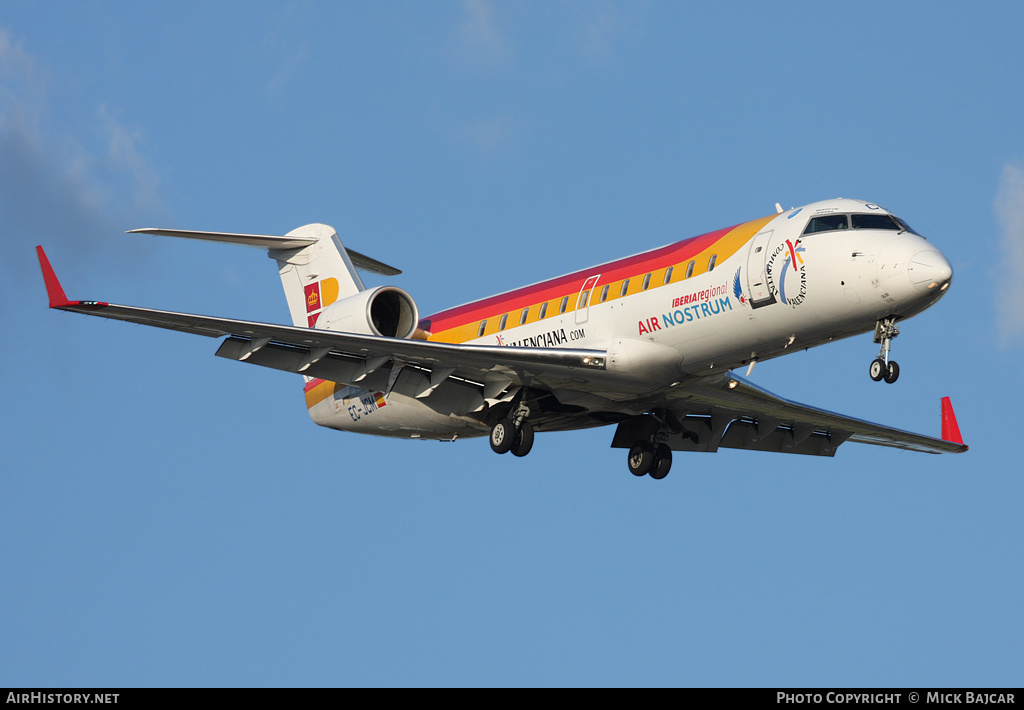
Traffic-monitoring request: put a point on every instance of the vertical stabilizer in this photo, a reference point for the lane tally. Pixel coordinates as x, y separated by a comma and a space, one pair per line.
317, 275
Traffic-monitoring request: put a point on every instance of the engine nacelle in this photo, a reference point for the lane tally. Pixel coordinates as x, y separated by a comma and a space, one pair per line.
385, 310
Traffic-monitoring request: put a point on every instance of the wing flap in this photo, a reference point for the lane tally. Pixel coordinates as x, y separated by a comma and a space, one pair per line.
332, 366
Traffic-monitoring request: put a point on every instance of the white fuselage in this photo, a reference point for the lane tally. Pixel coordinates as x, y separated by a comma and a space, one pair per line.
784, 289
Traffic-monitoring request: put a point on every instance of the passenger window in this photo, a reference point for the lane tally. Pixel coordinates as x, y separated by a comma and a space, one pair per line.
711, 262
522, 318
625, 287
874, 221
501, 323
583, 299
543, 310
483, 327
689, 269
668, 274
646, 283
826, 223
604, 293
563, 304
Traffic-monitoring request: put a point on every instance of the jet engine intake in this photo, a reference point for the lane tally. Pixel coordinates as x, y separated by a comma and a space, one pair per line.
385, 310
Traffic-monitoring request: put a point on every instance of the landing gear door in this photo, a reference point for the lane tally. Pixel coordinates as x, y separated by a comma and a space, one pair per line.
757, 270
585, 297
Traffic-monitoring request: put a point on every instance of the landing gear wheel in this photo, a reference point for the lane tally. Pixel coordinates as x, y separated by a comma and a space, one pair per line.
523, 440
883, 367
641, 457
892, 373
503, 435
878, 369
662, 462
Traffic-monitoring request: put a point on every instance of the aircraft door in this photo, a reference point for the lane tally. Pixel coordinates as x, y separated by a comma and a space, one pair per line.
586, 295
757, 270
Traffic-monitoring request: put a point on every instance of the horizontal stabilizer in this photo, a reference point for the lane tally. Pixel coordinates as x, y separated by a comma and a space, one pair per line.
366, 263
266, 241
250, 240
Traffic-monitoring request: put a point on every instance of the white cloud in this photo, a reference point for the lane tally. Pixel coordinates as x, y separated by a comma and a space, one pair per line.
20, 84
286, 46
490, 134
599, 27
74, 186
125, 159
480, 33
1009, 206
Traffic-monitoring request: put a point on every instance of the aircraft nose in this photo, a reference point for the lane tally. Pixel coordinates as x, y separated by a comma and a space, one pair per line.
929, 271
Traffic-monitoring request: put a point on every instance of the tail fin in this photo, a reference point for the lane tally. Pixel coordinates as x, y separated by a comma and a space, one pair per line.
317, 275
316, 269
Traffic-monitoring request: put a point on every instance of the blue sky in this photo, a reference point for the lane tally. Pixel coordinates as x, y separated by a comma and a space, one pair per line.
172, 518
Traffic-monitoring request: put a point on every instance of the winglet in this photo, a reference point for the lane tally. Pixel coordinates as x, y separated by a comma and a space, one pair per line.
53, 288
950, 429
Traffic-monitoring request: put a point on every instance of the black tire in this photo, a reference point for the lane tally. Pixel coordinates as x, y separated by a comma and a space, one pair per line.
893, 372
641, 456
524, 440
878, 369
662, 462
503, 435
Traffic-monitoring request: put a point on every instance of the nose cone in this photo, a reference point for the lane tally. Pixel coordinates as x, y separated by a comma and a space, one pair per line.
929, 271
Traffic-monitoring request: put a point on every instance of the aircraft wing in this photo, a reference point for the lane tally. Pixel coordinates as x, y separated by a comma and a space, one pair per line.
729, 411
350, 357
750, 401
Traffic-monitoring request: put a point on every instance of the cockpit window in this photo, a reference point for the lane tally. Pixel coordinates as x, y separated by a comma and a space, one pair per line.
834, 222
826, 223
874, 221
903, 224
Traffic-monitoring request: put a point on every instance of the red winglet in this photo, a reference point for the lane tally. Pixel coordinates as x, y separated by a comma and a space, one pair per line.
53, 289
950, 429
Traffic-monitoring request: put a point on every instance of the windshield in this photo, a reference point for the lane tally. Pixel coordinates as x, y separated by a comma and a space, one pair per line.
827, 223
835, 222
874, 221
905, 226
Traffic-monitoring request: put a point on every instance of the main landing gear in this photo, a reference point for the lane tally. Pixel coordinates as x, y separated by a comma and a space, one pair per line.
513, 433
882, 368
646, 458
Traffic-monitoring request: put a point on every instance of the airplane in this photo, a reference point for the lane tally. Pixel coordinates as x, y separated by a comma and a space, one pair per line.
648, 342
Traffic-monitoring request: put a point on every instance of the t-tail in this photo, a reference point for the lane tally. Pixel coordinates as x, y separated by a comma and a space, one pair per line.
321, 281
317, 275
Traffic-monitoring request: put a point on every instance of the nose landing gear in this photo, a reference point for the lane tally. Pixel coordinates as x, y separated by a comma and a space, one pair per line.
882, 368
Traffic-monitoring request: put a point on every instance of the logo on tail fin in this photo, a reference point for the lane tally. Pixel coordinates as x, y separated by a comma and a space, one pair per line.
319, 294
313, 297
